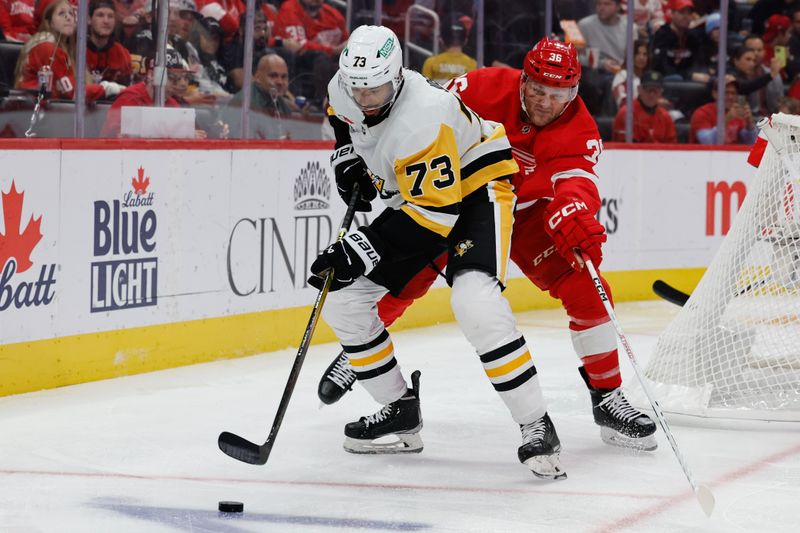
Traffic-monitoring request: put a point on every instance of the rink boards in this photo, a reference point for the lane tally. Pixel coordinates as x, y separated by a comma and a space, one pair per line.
118, 261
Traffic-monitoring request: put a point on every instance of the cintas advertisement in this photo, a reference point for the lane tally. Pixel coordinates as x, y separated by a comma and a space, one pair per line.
273, 241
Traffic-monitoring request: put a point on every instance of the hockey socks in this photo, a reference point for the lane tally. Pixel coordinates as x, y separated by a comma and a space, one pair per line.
513, 375
377, 369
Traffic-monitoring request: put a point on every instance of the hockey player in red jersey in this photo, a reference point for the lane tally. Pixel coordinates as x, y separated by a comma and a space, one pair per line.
556, 144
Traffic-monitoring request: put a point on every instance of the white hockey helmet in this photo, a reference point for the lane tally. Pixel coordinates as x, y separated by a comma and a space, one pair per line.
371, 59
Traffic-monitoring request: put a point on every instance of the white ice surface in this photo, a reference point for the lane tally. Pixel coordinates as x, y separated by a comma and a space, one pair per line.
139, 454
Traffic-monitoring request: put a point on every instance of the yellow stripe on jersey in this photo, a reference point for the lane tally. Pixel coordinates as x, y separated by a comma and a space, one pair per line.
432, 176
501, 193
423, 217
509, 367
493, 159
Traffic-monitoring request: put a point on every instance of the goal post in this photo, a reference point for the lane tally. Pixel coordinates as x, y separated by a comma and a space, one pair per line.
733, 351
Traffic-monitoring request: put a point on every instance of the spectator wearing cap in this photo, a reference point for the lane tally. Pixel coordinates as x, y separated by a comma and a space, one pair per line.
707, 54
320, 31
106, 59
141, 94
641, 63
763, 9
207, 37
762, 86
739, 126
270, 100
226, 12
777, 33
606, 30
651, 122
142, 46
675, 48
453, 62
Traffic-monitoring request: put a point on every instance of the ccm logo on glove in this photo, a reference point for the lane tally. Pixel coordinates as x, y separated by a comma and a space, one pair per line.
565, 211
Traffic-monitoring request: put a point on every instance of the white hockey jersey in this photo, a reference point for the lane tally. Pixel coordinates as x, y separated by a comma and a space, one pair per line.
429, 153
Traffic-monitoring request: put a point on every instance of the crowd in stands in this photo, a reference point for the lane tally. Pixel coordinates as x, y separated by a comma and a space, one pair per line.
675, 66
297, 43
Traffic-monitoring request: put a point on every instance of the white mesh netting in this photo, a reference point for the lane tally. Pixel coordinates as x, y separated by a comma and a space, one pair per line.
733, 351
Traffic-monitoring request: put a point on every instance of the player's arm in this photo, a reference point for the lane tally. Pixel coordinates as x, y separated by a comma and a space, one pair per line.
570, 217
348, 167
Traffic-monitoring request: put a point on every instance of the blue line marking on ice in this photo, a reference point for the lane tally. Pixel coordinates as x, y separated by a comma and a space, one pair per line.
200, 521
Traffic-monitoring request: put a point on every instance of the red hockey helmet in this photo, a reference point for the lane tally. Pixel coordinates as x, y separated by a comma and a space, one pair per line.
551, 62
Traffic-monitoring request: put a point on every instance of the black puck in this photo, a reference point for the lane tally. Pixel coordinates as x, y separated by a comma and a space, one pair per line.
231, 507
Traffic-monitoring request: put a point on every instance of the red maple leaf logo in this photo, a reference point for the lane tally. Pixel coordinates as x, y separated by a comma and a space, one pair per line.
13, 243
140, 185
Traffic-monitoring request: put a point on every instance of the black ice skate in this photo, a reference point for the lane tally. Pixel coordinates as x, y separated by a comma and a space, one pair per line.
401, 418
337, 380
540, 449
620, 423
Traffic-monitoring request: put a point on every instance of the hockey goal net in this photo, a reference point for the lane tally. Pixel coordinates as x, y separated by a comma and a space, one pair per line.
733, 351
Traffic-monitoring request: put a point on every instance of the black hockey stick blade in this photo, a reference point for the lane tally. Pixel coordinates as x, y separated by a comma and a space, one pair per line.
242, 449
670, 293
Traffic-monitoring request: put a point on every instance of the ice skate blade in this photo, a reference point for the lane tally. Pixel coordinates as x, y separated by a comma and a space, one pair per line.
406, 443
615, 438
546, 467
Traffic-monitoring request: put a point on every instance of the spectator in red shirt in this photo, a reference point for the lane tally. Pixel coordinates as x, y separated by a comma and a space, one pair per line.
53, 49
321, 33
739, 125
106, 59
317, 26
21, 25
226, 12
651, 123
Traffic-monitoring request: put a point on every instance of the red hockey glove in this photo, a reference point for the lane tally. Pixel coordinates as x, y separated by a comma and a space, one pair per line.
572, 226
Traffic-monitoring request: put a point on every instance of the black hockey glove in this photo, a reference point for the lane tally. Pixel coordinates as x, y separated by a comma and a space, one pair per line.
354, 256
349, 169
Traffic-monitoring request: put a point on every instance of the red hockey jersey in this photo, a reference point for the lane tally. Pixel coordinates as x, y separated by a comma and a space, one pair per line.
322, 33
63, 71
21, 24
568, 147
111, 63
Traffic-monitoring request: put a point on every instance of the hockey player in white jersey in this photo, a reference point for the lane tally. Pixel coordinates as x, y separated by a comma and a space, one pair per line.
445, 174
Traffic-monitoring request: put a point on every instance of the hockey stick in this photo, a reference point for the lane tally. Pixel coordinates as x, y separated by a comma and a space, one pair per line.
248, 452
670, 293
703, 494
